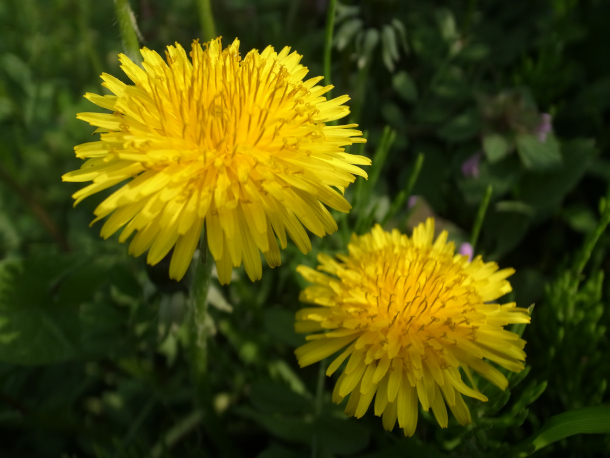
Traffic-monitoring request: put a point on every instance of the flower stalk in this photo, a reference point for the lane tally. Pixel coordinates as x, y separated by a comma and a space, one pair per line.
198, 325
127, 24
206, 17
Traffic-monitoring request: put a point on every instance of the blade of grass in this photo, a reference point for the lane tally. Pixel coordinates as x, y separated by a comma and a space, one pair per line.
128, 27
590, 420
478, 223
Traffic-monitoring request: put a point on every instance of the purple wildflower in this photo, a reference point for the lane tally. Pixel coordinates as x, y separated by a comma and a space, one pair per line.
466, 250
470, 167
545, 127
412, 202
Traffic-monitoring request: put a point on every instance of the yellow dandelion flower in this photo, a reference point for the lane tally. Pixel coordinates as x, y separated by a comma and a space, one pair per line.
411, 313
241, 145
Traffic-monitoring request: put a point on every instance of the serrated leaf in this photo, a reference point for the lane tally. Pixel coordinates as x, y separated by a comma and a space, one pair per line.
35, 329
538, 155
496, 147
404, 86
56, 320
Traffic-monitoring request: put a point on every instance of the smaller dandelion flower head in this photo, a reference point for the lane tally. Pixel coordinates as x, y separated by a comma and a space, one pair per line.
414, 316
238, 144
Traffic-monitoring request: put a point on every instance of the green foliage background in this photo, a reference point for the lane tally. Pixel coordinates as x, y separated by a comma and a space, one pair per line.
93, 343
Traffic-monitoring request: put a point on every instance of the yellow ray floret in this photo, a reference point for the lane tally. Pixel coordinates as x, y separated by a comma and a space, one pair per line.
408, 314
239, 145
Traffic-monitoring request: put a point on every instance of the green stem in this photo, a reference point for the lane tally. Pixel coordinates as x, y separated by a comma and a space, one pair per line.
319, 404
592, 239
328, 43
127, 24
198, 306
480, 218
198, 330
182, 429
207, 19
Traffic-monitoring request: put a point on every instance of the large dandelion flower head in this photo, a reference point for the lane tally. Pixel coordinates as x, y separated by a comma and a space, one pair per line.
240, 145
411, 314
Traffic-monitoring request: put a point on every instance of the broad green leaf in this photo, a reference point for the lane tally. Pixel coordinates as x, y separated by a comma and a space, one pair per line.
496, 147
590, 420
539, 155
405, 87
546, 190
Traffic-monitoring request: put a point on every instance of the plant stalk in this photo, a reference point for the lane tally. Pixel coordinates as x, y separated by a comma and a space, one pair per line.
129, 30
206, 18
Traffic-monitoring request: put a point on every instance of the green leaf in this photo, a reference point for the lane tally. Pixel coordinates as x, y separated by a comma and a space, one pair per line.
57, 320
446, 23
393, 115
371, 38
346, 33
537, 155
404, 86
496, 147
579, 218
35, 328
462, 127
400, 30
389, 49
590, 420
546, 190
